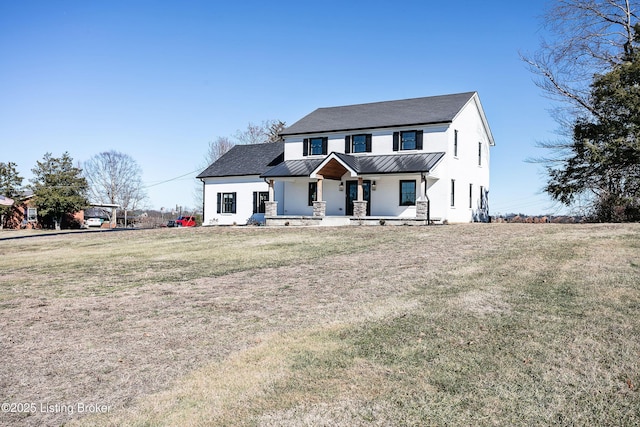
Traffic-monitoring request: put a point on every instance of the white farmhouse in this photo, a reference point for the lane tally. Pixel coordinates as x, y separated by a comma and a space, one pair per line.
411, 161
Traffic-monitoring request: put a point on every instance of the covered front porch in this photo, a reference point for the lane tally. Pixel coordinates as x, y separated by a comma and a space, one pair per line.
348, 190
336, 221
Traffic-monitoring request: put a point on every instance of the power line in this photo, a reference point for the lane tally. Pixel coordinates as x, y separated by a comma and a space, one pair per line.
172, 179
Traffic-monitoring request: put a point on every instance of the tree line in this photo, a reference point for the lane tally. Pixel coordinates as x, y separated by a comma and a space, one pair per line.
58, 188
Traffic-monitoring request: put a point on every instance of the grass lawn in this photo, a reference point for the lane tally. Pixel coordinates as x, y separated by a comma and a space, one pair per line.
479, 324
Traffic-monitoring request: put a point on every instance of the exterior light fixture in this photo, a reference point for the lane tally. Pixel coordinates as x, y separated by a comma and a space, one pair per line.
373, 186
341, 186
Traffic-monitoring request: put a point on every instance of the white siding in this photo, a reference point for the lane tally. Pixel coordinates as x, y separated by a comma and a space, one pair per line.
464, 168
243, 186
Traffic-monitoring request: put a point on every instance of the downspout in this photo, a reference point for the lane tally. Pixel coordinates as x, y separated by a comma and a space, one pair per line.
203, 188
424, 179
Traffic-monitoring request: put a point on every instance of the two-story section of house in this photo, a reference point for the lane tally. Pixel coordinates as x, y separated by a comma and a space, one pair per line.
416, 160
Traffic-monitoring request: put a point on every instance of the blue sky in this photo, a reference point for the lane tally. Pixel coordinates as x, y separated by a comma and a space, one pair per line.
158, 80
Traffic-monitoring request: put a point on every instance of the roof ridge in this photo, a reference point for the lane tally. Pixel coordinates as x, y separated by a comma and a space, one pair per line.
400, 100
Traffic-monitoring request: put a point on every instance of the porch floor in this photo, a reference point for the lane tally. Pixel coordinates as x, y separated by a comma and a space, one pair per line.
335, 221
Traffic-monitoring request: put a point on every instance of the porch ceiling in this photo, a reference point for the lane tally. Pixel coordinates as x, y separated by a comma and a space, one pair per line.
333, 170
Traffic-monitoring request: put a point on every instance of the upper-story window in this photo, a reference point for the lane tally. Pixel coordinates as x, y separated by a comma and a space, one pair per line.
357, 143
314, 146
407, 140
455, 143
479, 153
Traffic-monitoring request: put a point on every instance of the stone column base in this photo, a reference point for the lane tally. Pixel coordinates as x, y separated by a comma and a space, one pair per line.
319, 208
422, 209
359, 208
270, 208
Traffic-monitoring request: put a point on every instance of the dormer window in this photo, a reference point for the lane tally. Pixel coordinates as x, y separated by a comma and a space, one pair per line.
315, 146
407, 140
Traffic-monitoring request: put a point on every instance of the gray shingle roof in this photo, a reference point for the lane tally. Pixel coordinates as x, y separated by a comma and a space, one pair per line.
252, 159
385, 164
406, 112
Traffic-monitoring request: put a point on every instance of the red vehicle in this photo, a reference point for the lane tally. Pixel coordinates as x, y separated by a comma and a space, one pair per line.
186, 221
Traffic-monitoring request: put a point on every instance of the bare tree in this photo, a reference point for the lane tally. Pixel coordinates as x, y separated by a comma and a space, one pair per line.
274, 129
132, 196
217, 148
591, 67
115, 178
588, 37
253, 134
268, 131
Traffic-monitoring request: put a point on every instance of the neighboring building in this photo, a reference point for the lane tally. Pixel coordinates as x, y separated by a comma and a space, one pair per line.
408, 161
234, 193
24, 213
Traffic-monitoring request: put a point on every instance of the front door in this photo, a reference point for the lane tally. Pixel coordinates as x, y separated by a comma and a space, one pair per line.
352, 194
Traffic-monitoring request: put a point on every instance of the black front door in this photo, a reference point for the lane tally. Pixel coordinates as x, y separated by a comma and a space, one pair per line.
352, 194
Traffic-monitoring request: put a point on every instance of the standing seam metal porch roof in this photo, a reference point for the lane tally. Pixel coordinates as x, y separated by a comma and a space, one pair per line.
383, 164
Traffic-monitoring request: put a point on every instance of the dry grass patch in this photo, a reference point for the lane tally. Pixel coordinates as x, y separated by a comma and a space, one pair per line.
464, 325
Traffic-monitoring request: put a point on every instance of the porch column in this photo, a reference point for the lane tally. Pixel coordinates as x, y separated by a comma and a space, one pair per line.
422, 203
271, 196
319, 195
319, 205
271, 206
360, 205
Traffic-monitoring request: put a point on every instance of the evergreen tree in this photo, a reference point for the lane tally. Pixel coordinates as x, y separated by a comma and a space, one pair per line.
59, 188
11, 187
604, 157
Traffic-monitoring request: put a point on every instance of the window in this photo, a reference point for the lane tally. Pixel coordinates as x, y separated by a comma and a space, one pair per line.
479, 153
314, 146
32, 214
407, 140
455, 143
471, 195
483, 198
226, 202
453, 192
358, 143
313, 192
259, 197
407, 193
